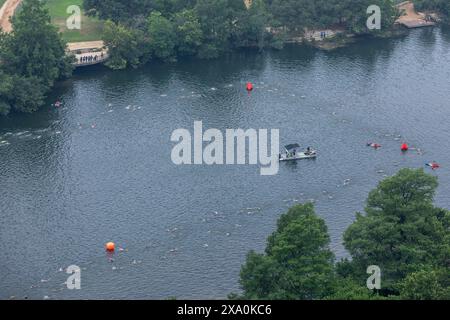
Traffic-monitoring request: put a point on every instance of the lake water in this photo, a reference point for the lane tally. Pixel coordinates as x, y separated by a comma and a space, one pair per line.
99, 168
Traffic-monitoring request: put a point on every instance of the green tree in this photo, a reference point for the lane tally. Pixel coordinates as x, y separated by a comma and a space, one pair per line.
6, 89
426, 284
218, 20
349, 289
119, 11
351, 14
297, 263
402, 230
33, 57
356, 15
162, 36
440, 6
127, 47
189, 32
250, 28
28, 94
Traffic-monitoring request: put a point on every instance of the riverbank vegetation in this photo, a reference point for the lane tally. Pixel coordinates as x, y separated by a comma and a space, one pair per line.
440, 6
207, 28
32, 58
136, 31
401, 232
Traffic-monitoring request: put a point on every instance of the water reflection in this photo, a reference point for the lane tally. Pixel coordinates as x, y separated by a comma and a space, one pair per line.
101, 169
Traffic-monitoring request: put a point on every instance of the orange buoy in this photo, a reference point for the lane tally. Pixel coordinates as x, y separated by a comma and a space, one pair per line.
110, 246
249, 86
404, 147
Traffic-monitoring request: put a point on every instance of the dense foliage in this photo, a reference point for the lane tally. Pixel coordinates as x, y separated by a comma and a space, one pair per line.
32, 58
207, 28
441, 6
401, 232
297, 263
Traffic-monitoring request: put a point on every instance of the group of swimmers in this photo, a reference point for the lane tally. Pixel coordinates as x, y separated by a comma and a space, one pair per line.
433, 165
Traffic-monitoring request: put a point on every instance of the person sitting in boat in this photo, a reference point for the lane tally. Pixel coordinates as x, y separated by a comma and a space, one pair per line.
308, 151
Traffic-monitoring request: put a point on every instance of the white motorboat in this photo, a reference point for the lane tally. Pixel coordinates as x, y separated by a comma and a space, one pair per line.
292, 153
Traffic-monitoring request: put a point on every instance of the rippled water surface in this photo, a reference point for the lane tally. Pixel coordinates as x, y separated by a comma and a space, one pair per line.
99, 168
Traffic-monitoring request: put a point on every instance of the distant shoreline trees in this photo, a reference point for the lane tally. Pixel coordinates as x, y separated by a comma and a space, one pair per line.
208, 28
402, 233
32, 57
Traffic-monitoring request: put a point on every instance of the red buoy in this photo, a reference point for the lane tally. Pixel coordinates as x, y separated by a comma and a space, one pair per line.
249, 86
404, 147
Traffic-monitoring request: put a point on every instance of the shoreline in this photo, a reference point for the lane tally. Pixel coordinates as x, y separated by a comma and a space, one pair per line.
350, 38
339, 36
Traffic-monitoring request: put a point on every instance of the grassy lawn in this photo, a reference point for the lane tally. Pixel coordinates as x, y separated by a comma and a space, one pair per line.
91, 28
2, 2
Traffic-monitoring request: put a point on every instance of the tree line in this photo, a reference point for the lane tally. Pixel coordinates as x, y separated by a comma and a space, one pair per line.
139, 30
440, 6
401, 232
32, 58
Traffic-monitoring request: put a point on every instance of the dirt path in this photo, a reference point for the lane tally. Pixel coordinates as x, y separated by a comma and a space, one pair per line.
7, 11
410, 12
413, 19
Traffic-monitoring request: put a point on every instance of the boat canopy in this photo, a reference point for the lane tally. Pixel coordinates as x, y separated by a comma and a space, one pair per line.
291, 147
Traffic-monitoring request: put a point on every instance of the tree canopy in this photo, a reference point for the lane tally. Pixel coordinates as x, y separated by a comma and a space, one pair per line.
32, 58
402, 233
207, 28
297, 263
440, 6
